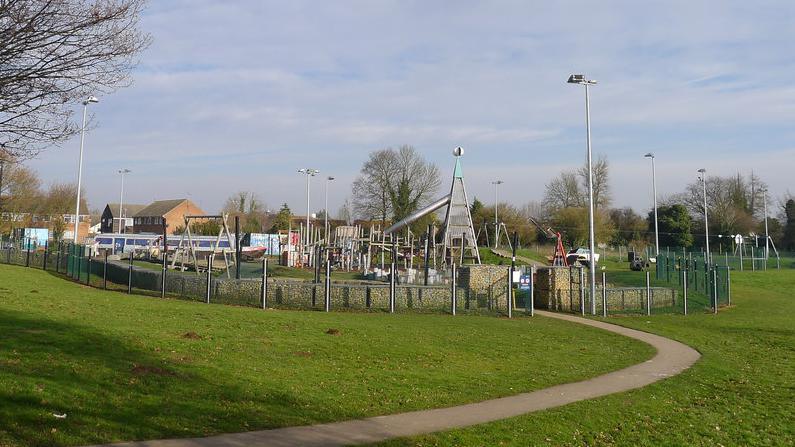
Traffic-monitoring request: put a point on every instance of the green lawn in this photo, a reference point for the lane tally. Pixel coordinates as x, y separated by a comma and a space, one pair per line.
130, 367
742, 392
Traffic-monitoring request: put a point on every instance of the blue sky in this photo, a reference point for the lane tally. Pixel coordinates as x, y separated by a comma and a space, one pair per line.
237, 95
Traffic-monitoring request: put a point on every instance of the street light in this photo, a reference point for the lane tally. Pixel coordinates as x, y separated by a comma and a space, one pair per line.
90, 100
496, 224
581, 80
122, 221
703, 179
654, 193
325, 211
309, 174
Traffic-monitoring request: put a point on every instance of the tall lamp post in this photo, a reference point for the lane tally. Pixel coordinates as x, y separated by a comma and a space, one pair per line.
582, 80
496, 222
309, 174
703, 178
654, 194
122, 221
90, 100
325, 211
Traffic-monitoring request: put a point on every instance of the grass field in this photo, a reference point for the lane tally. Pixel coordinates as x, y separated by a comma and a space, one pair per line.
742, 392
129, 367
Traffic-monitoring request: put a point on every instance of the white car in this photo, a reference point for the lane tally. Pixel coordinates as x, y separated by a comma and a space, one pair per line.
582, 256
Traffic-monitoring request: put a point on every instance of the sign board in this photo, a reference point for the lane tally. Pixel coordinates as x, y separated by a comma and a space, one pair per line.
36, 237
524, 282
738, 239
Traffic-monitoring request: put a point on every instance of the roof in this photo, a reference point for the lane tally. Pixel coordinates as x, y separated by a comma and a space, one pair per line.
131, 208
159, 208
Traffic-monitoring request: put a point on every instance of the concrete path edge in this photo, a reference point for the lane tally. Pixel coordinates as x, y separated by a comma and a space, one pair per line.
671, 359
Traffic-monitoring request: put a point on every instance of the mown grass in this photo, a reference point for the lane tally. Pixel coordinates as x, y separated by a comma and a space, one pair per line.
742, 391
129, 367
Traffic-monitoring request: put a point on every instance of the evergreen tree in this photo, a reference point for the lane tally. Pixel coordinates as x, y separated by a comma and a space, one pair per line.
282, 221
788, 242
674, 226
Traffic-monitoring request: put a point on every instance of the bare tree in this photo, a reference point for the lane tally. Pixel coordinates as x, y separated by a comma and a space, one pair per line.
563, 191
393, 183
53, 54
601, 186
243, 202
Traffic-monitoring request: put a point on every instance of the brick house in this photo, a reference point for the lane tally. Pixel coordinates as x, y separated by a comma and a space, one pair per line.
110, 220
150, 219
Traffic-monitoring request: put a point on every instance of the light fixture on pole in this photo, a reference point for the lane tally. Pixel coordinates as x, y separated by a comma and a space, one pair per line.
309, 174
582, 80
496, 222
122, 220
90, 100
654, 194
703, 178
325, 211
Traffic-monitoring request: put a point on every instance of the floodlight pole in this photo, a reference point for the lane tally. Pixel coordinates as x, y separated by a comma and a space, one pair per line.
496, 222
89, 100
654, 194
706, 220
325, 211
580, 79
122, 222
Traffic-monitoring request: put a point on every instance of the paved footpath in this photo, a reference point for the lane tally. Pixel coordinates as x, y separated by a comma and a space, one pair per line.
671, 359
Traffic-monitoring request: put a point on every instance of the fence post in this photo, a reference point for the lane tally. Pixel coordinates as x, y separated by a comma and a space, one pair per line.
392, 286
105, 272
508, 296
604, 294
327, 291
264, 289
453, 297
715, 288
648, 293
27, 256
209, 277
582, 291
684, 290
130, 272
728, 286
57, 258
79, 262
164, 272
46, 247
531, 300
88, 268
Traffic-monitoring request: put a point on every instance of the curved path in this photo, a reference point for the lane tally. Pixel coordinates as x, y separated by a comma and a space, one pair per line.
671, 359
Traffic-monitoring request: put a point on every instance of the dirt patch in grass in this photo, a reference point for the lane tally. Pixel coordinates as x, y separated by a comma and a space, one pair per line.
304, 354
191, 335
144, 370
333, 331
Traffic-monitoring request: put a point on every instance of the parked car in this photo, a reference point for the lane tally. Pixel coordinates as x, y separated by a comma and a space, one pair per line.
581, 256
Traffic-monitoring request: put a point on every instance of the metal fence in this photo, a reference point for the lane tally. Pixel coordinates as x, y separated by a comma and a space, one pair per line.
709, 284
77, 263
680, 285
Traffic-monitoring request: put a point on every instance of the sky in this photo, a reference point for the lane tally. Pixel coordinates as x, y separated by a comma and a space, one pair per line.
238, 95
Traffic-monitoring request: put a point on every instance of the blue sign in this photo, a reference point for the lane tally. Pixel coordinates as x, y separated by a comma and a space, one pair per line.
524, 282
